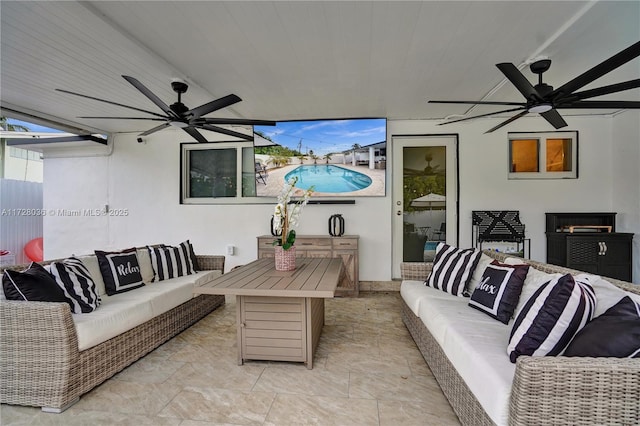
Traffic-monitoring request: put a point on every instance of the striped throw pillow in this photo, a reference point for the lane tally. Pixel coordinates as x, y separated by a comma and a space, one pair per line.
552, 316
452, 269
77, 284
171, 262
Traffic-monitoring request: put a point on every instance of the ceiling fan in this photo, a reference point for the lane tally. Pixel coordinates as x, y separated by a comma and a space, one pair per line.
545, 100
179, 115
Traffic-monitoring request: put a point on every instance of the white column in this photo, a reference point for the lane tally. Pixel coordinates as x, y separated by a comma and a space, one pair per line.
353, 159
372, 158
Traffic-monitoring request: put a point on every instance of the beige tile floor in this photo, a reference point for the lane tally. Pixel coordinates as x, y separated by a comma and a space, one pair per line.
367, 371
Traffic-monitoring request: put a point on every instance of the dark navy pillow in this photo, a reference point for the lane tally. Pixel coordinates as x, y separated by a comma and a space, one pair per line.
34, 284
498, 292
120, 270
615, 333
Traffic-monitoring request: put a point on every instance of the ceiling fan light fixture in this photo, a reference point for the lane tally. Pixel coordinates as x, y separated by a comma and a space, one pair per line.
179, 124
540, 108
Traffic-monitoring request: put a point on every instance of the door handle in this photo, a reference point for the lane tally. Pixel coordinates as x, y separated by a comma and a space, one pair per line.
599, 248
604, 246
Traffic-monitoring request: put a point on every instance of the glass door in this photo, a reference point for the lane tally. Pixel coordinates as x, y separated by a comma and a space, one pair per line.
425, 196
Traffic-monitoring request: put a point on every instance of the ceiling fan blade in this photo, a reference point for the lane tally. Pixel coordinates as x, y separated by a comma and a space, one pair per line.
109, 102
149, 94
599, 91
600, 104
209, 107
521, 83
155, 129
477, 102
226, 132
247, 122
125, 118
482, 115
554, 118
598, 71
195, 134
504, 123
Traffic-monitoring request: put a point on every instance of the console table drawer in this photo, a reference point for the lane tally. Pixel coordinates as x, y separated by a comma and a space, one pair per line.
313, 244
266, 243
345, 243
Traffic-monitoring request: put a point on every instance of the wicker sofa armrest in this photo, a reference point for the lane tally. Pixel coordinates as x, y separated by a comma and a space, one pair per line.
415, 270
575, 390
39, 358
211, 262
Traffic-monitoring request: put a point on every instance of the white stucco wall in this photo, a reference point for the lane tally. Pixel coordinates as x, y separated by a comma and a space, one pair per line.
144, 178
483, 174
625, 160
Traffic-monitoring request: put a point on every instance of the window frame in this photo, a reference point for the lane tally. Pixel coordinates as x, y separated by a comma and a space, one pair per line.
542, 138
239, 198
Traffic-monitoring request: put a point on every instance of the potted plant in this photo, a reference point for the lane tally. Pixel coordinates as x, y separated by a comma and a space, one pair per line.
286, 217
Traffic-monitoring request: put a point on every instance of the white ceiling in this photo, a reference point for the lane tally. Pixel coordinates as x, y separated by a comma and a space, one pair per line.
299, 60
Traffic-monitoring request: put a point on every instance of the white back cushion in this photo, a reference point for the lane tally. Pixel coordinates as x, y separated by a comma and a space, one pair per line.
91, 263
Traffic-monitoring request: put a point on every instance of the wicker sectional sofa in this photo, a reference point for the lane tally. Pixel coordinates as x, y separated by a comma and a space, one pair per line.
550, 390
40, 361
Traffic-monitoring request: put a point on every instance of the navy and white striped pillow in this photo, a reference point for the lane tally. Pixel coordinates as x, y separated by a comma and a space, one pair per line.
76, 283
452, 268
551, 317
171, 262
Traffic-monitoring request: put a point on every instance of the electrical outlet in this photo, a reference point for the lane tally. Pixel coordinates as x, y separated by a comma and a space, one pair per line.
231, 250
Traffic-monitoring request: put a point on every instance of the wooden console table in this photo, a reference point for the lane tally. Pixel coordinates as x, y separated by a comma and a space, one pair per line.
279, 315
344, 247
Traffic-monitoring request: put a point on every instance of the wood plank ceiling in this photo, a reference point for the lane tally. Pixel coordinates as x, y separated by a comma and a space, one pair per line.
298, 60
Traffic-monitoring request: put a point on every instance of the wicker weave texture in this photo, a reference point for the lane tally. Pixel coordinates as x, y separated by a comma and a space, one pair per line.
40, 364
38, 354
418, 271
575, 391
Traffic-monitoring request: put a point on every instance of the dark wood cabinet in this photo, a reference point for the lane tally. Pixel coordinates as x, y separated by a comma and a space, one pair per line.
590, 247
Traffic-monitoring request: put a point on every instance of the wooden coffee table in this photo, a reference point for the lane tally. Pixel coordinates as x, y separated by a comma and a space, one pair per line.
279, 315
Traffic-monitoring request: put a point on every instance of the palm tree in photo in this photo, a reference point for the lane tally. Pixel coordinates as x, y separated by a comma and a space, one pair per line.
354, 148
10, 127
327, 158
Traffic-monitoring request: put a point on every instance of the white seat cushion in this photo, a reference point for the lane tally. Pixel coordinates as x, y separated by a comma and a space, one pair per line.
124, 311
475, 345
203, 277
115, 315
412, 292
167, 294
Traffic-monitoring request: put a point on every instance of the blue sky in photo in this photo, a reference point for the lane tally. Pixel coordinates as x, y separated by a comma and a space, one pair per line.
33, 127
326, 136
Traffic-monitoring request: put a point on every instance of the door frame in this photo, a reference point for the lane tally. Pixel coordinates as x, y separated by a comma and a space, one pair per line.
396, 232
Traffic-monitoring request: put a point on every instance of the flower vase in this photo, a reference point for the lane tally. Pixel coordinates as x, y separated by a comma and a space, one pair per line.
285, 259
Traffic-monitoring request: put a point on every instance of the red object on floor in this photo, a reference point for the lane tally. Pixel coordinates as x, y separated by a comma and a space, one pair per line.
34, 250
